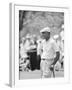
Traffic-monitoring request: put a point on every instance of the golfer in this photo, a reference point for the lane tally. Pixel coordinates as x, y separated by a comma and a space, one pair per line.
49, 53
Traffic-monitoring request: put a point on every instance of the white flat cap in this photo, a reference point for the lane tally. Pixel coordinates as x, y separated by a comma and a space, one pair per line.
63, 26
46, 29
62, 35
23, 38
28, 36
56, 36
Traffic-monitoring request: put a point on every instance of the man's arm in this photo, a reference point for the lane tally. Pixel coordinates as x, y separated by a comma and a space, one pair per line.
56, 58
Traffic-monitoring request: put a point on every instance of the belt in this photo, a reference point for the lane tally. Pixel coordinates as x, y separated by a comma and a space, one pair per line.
46, 59
27, 58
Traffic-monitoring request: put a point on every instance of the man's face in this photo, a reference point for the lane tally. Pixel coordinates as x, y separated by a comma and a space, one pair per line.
46, 35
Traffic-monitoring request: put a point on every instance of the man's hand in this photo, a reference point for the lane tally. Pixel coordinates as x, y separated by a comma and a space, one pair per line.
52, 67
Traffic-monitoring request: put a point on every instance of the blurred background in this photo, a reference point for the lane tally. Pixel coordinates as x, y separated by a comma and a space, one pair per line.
33, 21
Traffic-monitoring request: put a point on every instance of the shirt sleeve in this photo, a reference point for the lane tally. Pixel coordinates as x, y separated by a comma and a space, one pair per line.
55, 46
40, 48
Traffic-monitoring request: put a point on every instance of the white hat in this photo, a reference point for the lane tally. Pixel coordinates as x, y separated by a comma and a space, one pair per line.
28, 36
63, 26
56, 36
46, 29
23, 38
62, 35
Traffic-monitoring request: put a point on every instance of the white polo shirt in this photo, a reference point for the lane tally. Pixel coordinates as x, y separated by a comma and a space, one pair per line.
49, 49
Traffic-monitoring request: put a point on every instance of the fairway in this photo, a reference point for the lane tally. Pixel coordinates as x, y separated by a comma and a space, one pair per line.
37, 74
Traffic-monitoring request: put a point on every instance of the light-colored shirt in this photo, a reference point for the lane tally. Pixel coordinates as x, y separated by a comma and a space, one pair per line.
23, 52
24, 48
49, 49
39, 47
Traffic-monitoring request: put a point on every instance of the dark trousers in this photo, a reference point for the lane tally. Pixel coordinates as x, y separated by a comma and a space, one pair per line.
38, 61
33, 60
